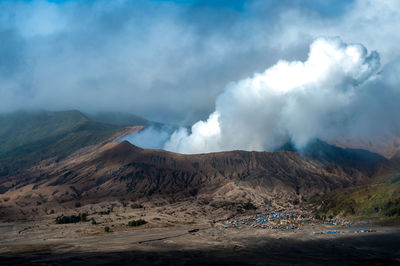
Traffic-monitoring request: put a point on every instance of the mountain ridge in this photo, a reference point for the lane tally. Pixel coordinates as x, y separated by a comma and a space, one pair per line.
124, 171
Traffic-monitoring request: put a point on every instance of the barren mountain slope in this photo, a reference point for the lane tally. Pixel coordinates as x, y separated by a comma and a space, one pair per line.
124, 171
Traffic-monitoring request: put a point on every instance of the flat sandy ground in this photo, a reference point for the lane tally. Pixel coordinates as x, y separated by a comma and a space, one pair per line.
166, 240
35, 243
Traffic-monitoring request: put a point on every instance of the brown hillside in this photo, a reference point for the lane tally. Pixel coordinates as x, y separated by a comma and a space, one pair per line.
124, 171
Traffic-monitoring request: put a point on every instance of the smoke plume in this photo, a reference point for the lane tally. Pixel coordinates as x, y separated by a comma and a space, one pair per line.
150, 137
335, 93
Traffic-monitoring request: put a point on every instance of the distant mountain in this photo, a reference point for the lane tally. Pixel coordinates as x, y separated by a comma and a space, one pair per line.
27, 138
396, 158
387, 147
346, 158
21, 128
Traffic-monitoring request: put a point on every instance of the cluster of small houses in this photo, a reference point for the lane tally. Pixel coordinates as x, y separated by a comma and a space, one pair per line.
281, 220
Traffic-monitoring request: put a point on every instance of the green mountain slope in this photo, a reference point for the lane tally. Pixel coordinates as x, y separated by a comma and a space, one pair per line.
118, 118
380, 201
27, 138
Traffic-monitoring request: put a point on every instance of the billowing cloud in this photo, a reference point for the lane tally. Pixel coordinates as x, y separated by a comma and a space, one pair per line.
150, 137
166, 60
335, 93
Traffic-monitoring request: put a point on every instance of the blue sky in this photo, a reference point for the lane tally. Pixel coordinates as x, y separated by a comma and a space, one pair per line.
327, 7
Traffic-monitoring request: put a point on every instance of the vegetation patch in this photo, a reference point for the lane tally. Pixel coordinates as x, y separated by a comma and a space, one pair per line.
82, 217
136, 206
137, 222
238, 206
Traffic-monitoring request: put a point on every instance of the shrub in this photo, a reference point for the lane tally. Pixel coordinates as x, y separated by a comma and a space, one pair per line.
93, 221
136, 206
107, 229
82, 217
137, 222
249, 206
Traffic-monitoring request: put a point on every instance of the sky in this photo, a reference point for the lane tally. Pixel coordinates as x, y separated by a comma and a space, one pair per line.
175, 61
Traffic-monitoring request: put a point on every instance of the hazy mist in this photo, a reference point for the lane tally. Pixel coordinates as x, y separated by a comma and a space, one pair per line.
166, 60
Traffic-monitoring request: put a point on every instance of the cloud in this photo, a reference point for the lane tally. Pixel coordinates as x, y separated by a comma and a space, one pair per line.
336, 92
167, 60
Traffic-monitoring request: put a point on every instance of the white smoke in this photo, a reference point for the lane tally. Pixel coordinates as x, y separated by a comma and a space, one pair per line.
149, 138
335, 93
